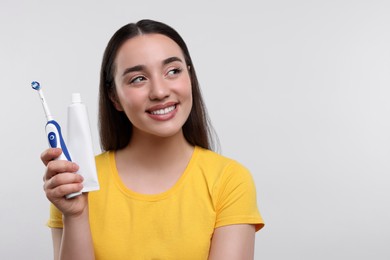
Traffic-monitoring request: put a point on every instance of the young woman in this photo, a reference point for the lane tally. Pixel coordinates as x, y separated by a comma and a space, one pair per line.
163, 193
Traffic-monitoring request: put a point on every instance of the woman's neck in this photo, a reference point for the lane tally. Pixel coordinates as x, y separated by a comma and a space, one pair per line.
162, 150
151, 165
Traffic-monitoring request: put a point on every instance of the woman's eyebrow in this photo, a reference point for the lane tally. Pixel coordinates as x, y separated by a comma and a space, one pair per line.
171, 59
132, 69
142, 67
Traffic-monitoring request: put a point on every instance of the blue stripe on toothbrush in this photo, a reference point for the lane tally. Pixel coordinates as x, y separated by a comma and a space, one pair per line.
53, 137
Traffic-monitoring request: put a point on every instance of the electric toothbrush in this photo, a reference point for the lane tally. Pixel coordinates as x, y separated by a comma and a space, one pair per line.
53, 132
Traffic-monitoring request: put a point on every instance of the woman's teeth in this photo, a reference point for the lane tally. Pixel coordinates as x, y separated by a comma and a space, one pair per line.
163, 111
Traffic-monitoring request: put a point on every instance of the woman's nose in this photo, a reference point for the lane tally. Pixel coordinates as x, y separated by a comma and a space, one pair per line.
159, 89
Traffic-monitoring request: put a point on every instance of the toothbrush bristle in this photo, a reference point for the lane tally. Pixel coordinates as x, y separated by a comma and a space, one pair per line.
35, 85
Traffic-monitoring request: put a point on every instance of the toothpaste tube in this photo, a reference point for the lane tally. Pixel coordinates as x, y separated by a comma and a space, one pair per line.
80, 143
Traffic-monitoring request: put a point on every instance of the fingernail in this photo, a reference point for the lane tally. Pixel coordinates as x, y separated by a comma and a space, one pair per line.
75, 166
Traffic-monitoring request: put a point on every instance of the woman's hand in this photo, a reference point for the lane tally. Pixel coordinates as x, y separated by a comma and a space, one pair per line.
59, 180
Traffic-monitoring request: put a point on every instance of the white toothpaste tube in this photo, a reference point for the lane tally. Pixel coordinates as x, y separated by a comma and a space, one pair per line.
80, 143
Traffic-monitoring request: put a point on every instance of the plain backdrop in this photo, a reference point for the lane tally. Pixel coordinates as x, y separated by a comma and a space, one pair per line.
298, 91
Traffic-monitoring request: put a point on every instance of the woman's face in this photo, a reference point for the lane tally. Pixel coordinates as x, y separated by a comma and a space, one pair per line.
153, 85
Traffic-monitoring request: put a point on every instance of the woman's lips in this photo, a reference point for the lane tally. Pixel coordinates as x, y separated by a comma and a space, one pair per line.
163, 112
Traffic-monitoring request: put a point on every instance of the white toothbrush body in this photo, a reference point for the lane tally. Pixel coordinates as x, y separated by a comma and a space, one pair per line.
53, 133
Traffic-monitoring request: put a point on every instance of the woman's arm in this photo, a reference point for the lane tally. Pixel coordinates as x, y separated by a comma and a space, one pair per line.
74, 241
56, 235
77, 241
233, 242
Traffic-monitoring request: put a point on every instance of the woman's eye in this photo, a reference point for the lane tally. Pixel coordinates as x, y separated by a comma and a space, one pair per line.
137, 79
174, 71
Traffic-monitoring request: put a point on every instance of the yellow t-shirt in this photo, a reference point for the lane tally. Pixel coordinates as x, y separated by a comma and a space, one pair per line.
213, 191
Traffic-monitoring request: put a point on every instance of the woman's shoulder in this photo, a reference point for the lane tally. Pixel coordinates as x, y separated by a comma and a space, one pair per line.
103, 156
104, 161
223, 174
217, 162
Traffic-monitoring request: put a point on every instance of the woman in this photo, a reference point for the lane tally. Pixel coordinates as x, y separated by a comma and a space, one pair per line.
163, 193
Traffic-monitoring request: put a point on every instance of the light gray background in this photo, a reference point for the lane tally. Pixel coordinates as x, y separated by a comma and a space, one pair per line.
298, 92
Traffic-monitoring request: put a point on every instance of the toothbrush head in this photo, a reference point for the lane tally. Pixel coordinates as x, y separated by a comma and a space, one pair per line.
35, 85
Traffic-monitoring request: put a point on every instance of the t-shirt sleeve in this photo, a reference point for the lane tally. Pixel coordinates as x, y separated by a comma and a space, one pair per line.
55, 219
236, 201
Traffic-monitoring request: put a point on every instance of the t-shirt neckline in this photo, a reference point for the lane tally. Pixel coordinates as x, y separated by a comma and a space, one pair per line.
150, 197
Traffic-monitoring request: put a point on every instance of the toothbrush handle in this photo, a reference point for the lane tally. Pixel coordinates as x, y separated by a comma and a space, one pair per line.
54, 136
55, 139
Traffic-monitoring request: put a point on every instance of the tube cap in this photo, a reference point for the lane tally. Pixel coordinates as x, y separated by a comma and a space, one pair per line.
76, 98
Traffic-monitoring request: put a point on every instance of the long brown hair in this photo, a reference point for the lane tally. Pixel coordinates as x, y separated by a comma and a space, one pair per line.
114, 126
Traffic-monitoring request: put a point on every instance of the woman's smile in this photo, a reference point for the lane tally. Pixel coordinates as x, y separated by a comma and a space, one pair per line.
163, 112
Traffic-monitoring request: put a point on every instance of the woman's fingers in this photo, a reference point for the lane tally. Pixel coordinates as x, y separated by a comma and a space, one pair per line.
63, 179
60, 178
50, 154
63, 190
62, 184
59, 166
